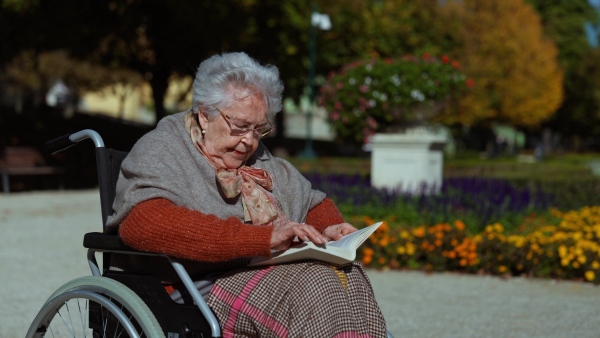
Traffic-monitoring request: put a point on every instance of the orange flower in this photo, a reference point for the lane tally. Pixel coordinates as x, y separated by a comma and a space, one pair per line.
419, 232
459, 225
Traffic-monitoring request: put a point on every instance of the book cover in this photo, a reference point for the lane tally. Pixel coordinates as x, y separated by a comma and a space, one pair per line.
337, 252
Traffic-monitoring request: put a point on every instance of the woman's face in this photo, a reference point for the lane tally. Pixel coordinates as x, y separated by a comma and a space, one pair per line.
230, 151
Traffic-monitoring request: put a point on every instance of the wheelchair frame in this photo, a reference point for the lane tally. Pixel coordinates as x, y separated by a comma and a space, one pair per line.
108, 162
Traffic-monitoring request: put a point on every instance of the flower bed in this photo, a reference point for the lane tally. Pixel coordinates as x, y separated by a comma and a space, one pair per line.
569, 250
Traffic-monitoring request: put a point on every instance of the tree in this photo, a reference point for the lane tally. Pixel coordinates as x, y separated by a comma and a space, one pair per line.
502, 46
564, 22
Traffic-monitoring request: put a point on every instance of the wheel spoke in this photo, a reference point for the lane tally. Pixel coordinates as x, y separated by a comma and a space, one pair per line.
82, 314
70, 328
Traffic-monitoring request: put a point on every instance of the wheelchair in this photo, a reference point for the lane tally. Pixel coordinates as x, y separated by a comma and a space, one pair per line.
117, 303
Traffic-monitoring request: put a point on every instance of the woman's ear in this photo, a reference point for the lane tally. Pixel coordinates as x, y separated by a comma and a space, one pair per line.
202, 119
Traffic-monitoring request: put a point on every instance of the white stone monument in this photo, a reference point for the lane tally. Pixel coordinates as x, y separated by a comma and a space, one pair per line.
411, 162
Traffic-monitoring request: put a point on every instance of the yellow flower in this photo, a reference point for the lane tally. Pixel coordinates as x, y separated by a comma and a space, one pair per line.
502, 269
581, 259
404, 234
595, 265
498, 227
410, 249
562, 251
590, 275
401, 250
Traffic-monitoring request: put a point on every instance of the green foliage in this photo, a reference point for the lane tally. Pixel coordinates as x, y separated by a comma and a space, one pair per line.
366, 97
564, 22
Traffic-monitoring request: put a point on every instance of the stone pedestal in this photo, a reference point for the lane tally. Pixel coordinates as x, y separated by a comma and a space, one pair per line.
411, 162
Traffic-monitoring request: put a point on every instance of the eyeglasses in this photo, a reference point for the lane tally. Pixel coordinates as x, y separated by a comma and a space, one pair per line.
237, 130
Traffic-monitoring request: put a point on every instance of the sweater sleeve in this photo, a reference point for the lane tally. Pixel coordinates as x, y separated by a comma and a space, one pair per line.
158, 225
324, 215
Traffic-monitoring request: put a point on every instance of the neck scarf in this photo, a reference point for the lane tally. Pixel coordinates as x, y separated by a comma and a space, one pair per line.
261, 207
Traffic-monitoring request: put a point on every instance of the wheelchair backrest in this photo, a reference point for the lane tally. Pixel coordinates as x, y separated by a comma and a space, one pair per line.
108, 162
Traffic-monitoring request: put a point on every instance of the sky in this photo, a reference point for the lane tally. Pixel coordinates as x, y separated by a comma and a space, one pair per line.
591, 31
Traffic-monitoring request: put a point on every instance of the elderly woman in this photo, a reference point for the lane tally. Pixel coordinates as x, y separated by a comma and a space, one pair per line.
202, 187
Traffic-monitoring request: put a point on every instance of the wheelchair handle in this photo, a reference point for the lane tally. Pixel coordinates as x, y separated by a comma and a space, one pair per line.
66, 141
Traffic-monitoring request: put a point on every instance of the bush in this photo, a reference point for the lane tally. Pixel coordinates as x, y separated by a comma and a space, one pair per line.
371, 96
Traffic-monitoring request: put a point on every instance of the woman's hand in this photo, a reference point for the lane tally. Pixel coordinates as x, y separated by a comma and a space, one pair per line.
283, 235
337, 231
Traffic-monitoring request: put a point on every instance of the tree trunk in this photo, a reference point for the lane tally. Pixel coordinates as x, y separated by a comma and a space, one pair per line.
159, 83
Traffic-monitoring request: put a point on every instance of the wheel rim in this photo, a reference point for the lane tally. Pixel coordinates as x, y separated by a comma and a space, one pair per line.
82, 313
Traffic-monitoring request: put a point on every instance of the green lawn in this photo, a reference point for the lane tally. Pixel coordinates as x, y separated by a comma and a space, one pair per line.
558, 167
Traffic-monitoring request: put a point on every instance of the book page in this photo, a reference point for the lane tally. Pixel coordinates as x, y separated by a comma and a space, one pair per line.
352, 241
337, 252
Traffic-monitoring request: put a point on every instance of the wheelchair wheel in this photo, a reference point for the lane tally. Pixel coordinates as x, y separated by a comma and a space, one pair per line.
95, 307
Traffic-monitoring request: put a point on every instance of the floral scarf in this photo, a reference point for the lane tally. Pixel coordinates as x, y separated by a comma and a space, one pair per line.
253, 184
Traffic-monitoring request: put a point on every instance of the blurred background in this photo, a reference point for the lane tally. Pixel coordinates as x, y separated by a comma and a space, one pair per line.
511, 88
530, 75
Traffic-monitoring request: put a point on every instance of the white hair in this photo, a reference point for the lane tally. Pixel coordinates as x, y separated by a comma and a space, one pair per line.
222, 79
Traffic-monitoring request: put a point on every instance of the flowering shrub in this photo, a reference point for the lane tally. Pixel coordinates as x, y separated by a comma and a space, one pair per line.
371, 96
570, 250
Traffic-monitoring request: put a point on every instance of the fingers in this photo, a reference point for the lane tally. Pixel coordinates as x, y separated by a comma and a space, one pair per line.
282, 235
308, 233
347, 228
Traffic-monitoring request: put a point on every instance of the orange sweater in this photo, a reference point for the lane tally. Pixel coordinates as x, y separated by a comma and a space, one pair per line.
158, 225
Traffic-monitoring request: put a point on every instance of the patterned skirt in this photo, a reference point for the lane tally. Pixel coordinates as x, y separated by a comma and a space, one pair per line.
311, 299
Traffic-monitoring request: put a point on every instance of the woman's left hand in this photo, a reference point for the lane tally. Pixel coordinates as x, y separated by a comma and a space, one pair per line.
337, 231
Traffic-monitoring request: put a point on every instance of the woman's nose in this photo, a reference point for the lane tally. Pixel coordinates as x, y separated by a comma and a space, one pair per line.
248, 138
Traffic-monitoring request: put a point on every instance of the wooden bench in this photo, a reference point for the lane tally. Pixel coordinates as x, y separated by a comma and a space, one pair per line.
24, 161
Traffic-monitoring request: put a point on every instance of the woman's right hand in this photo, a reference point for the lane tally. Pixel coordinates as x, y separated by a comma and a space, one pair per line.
284, 234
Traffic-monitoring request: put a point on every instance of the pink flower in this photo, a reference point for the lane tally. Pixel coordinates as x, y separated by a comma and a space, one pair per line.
338, 105
371, 122
363, 88
335, 116
339, 85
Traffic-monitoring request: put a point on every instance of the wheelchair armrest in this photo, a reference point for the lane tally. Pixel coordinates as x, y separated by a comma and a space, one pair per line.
105, 242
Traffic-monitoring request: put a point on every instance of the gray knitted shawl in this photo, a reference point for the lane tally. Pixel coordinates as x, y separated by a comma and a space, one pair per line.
164, 163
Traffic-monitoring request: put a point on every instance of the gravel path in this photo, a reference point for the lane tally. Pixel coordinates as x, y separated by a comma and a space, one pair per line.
40, 249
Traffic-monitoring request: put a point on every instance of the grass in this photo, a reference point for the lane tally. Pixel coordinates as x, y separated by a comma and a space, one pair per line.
553, 168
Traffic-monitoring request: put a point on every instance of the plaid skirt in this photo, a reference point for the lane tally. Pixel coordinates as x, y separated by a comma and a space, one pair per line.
309, 299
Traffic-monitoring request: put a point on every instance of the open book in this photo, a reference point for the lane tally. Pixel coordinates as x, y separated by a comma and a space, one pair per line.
337, 252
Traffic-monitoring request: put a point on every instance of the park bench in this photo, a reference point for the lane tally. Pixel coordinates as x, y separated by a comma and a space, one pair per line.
25, 161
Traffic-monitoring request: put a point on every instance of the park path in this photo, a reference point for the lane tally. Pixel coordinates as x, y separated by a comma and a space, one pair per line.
41, 249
